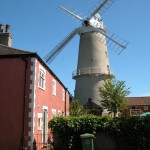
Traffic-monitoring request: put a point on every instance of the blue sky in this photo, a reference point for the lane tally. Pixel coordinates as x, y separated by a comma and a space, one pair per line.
38, 25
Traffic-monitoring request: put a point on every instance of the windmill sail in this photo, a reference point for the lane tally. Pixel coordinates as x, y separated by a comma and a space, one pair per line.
52, 54
113, 42
101, 6
71, 13
115, 47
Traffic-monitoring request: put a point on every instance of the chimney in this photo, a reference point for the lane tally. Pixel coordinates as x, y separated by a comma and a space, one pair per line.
5, 37
1, 28
7, 28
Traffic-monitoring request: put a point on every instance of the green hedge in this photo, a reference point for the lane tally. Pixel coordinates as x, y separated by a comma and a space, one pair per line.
133, 132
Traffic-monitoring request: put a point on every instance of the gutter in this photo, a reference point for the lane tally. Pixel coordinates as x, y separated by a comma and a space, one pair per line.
24, 105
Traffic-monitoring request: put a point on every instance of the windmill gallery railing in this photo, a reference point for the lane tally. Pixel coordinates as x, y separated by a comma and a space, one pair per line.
92, 71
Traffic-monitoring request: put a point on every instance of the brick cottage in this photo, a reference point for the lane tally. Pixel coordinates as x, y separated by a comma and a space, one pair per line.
30, 95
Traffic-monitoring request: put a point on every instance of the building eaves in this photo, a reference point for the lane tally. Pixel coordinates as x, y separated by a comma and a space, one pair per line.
9, 52
6, 50
50, 71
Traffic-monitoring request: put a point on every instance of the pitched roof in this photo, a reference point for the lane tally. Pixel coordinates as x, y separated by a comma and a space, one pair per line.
9, 52
138, 100
6, 50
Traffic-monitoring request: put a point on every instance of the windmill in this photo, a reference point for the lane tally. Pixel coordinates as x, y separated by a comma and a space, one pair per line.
93, 63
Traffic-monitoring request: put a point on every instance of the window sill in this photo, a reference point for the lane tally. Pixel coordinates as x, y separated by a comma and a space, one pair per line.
42, 88
39, 129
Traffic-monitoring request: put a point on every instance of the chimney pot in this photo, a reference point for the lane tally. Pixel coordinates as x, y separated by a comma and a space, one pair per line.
1, 28
5, 37
7, 28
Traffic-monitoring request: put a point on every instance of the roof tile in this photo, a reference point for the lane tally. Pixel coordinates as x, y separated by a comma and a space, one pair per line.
5, 50
138, 100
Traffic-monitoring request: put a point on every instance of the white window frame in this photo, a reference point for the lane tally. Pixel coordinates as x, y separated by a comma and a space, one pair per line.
53, 113
42, 78
67, 113
45, 108
59, 113
135, 112
54, 87
63, 94
39, 121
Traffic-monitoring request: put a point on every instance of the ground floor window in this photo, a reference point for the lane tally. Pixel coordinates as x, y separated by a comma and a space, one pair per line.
39, 121
53, 113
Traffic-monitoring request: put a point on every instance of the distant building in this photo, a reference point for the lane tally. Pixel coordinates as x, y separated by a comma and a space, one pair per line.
137, 105
30, 95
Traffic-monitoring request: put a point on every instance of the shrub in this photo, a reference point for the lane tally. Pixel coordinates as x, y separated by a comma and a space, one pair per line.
132, 131
128, 131
69, 129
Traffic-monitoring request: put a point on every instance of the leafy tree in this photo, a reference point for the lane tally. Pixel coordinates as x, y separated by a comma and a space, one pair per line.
76, 108
113, 94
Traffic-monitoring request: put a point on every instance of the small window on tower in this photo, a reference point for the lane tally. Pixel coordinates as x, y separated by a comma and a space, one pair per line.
106, 55
108, 69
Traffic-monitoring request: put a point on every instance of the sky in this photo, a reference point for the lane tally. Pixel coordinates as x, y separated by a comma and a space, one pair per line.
39, 25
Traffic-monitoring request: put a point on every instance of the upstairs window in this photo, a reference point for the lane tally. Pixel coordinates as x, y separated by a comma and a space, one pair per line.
53, 87
133, 107
63, 95
42, 79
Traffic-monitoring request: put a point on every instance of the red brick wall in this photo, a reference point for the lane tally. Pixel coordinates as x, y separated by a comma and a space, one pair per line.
12, 78
46, 98
141, 107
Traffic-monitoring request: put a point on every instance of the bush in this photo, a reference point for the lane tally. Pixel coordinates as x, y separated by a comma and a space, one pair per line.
129, 131
69, 129
132, 132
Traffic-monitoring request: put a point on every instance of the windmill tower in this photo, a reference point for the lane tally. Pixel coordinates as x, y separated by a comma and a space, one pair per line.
93, 63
